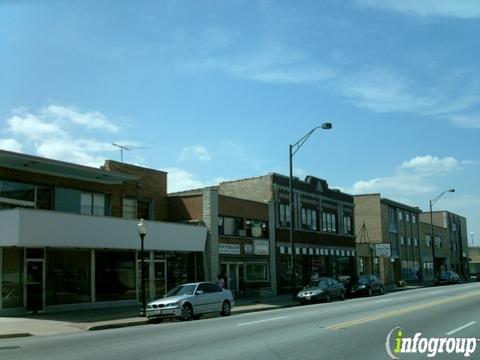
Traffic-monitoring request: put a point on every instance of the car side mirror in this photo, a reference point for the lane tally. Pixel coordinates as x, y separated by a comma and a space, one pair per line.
199, 292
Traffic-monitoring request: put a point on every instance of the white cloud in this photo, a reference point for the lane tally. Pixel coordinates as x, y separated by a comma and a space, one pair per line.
385, 90
180, 179
431, 164
91, 120
466, 121
10, 145
197, 152
53, 132
465, 9
412, 177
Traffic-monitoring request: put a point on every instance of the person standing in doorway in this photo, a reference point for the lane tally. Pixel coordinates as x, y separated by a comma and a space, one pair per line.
221, 281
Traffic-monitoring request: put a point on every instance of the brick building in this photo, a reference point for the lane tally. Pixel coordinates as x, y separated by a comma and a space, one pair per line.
324, 240
389, 228
454, 255
239, 243
68, 235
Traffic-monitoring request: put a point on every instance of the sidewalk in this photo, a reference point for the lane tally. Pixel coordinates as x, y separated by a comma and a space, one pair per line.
98, 319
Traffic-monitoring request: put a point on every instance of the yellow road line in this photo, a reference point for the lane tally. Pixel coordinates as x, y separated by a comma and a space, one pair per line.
397, 312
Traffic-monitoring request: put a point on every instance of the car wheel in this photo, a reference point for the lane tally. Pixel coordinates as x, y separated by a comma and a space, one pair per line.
382, 290
342, 295
369, 292
327, 297
226, 308
187, 312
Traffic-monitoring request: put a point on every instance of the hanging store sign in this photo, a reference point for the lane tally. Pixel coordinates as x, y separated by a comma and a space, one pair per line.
382, 250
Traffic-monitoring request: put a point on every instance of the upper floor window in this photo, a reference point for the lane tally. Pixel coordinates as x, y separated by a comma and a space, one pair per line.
309, 218
400, 215
347, 225
414, 218
16, 194
438, 242
329, 222
428, 240
92, 204
402, 240
231, 226
284, 214
454, 227
392, 219
136, 209
407, 217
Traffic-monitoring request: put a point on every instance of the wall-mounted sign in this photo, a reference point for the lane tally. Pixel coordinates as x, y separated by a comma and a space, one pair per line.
260, 247
229, 249
382, 250
248, 249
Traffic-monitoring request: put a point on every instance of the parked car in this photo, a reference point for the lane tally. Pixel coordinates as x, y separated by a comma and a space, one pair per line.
322, 288
366, 285
447, 277
188, 301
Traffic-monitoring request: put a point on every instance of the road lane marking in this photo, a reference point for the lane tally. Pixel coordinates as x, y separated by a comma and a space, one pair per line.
384, 300
396, 312
461, 328
262, 321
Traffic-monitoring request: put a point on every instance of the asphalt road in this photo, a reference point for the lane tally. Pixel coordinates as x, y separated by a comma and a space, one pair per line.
351, 329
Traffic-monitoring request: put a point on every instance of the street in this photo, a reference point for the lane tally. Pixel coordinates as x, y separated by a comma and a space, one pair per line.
351, 329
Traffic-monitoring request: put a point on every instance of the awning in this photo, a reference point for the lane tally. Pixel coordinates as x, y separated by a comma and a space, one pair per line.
42, 228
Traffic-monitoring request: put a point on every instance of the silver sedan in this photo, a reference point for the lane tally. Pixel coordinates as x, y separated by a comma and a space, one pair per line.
191, 300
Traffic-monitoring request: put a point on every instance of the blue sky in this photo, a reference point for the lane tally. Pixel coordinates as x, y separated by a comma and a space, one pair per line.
211, 90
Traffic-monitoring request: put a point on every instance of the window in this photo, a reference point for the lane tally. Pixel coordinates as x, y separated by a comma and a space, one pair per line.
414, 218
347, 225
284, 214
136, 209
400, 215
438, 242
92, 204
231, 226
407, 217
309, 218
415, 242
409, 241
392, 219
454, 227
402, 240
115, 275
256, 271
15, 194
329, 222
12, 277
428, 240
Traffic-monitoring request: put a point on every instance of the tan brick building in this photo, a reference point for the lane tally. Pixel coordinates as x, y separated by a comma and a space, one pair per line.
387, 239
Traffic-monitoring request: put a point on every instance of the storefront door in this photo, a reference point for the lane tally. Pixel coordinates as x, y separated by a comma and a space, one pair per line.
34, 285
234, 277
155, 279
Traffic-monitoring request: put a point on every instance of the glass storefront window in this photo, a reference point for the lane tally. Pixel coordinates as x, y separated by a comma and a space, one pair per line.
68, 277
12, 281
180, 268
115, 275
256, 271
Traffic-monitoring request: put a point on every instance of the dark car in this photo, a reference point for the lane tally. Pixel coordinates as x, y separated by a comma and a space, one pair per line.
366, 285
447, 277
321, 289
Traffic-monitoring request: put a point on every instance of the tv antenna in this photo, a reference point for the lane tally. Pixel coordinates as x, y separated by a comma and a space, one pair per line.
121, 147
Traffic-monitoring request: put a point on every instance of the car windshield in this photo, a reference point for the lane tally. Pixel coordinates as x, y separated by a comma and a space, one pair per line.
443, 275
182, 290
318, 283
363, 280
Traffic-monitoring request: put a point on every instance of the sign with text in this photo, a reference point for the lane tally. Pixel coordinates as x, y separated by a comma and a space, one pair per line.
229, 249
260, 247
383, 250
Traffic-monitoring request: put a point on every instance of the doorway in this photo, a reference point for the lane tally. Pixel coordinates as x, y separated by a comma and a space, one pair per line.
235, 277
34, 285
155, 278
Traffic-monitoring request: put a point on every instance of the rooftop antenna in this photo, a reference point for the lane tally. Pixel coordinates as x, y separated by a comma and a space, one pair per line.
121, 147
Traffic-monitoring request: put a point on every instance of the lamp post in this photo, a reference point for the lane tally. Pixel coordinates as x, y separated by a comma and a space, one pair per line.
432, 202
472, 234
292, 151
142, 231
372, 247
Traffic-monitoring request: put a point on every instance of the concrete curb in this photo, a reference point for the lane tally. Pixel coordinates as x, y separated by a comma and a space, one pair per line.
14, 335
117, 325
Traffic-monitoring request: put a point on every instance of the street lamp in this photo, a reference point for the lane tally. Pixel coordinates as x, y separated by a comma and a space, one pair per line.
432, 202
142, 231
472, 234
292, 151
372, 247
